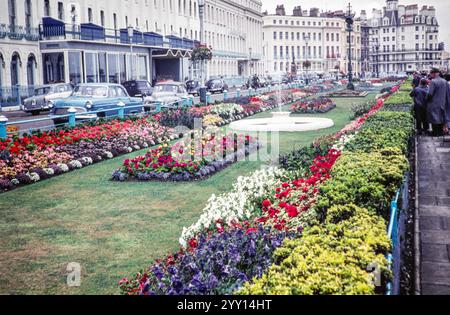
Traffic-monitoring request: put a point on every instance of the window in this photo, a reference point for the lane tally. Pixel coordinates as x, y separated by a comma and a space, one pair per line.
102, 18
12, 15
90, 16
115, 20
28, 15
75, 67
47, 8
274, 35
61, 11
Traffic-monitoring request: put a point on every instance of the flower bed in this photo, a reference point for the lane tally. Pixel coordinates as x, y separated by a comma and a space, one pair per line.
28, 159
318, 105
335, 209
189, 159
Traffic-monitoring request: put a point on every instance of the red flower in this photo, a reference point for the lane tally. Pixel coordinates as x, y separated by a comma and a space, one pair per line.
266, 203
250, 230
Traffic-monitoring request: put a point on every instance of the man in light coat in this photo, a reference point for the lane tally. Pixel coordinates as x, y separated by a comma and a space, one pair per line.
437, 102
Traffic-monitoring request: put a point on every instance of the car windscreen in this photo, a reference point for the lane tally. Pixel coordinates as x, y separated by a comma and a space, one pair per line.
91, 91
42, 91
166, 88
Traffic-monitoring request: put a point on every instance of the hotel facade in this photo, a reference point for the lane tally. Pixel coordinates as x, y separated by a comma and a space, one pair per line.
320, 38
82, 41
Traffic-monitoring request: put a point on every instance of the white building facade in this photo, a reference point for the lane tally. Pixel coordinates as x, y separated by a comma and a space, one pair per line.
404, 39
77, 41
321, 39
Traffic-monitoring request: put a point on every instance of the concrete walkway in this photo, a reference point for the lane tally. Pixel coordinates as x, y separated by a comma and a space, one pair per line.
434, 215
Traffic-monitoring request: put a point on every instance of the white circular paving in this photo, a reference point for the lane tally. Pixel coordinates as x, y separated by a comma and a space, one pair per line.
282, 121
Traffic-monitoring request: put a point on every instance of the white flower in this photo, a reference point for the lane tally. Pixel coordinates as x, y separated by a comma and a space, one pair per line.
109, 155
76, 164
49, 171
242, 203
87, 160
34, 177
63, 167
136, 147
15, 181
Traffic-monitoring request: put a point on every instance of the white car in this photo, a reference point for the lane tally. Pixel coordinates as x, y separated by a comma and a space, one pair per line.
169, 94
43, 95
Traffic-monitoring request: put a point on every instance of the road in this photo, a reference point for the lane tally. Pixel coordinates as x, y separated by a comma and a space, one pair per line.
26, 121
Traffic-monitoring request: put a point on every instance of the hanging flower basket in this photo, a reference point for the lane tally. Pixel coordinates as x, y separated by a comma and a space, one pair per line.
201, 53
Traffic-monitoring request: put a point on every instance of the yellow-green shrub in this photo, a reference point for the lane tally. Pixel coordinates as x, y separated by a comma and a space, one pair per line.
329, 259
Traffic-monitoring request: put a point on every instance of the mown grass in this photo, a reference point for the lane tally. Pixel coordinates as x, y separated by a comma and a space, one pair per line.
111, 229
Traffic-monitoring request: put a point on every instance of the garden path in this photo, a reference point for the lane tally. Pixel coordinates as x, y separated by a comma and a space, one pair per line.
434, 215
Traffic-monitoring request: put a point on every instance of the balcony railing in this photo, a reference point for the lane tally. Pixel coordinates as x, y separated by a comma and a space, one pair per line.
57, 30
17, 32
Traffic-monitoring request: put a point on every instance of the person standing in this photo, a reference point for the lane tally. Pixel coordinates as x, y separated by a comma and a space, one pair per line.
437, 102
416, 80
420, 106
447, 108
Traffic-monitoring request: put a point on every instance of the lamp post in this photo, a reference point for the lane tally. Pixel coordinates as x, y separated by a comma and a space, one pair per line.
201, 14
349, 20
306, 38
130, 37
377, 47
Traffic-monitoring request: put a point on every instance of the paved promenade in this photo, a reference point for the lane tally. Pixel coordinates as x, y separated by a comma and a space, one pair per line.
434, 215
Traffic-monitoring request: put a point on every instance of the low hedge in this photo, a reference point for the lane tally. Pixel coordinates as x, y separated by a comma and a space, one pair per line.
369, 180
384, 130
400, 97
329, 259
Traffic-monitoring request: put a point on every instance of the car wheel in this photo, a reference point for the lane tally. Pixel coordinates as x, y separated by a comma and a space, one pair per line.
35, 112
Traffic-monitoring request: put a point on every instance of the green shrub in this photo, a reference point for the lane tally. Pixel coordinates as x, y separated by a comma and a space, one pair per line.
369, 180
399, 98
361, 109
329, 259
384, 130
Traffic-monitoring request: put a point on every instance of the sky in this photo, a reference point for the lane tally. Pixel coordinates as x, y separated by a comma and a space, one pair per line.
442, 9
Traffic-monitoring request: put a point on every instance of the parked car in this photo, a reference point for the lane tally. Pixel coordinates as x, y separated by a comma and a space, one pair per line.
193, 87
138, 88
169, 92
42, 95
94, 100
216, 86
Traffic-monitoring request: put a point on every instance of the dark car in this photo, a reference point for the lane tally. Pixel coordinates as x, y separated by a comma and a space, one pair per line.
216, 86
138, 88
193, 87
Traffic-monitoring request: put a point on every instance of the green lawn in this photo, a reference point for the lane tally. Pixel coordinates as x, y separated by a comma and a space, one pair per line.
112, 229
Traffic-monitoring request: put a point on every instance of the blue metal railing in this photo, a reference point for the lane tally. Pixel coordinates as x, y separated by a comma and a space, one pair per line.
14, 95
120, 112
18, 32
396, 232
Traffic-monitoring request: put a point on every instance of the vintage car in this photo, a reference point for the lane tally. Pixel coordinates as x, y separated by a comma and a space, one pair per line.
193, 87
216, 86
43, 94
93, 101
138, 88
168, 93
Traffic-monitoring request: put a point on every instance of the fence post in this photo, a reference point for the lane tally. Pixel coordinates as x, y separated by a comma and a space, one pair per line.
225, 95
72, 121
208, 98
121, 110
158, 106
185, 101
238, 93
250, 91
3, 131
191, 100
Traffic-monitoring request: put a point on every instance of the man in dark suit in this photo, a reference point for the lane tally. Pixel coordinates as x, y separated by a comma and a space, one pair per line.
420, 106
437, 102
